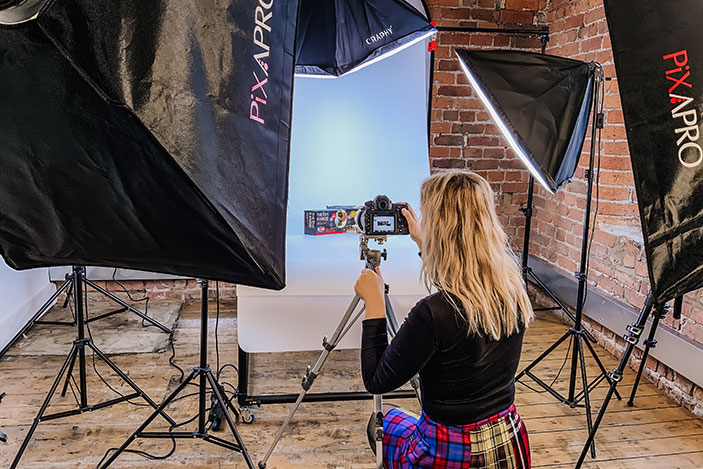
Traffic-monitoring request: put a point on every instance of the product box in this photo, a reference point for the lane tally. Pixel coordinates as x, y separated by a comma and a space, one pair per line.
333, 219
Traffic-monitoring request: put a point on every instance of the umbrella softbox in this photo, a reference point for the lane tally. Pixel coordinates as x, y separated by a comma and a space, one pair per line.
339, 36
541, 103
659, 62
151, 135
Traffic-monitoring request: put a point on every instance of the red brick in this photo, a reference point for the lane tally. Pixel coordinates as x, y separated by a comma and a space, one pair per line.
516, 17
522, 4
448, 163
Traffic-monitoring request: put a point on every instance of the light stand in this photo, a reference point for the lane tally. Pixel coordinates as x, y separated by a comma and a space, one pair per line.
373, 259
526, 269
78, 351
577, 334
632, 337
207, 378
70, 284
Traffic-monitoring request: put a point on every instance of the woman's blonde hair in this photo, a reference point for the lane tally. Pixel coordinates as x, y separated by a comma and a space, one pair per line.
466, 255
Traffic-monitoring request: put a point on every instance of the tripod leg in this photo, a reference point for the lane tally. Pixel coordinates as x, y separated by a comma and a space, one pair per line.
71, 357
543, 356
586, 397
650, 343
130, 308
219, 397
378, 430
68, 376
157, 411
632, 336
68, 294
311, 374
129, 382
602, 368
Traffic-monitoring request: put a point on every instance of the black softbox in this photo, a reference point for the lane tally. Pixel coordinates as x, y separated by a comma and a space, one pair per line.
659, 63
541, 104
150, 135
338, 36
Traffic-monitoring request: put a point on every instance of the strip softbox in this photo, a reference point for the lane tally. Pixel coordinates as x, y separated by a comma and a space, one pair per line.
541, 103
148, 135
659, 63
339, 36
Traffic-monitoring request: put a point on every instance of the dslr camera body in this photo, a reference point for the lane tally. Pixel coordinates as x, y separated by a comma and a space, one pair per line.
381, 217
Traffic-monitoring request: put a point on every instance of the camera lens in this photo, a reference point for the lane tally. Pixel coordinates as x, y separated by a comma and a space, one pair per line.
382, 202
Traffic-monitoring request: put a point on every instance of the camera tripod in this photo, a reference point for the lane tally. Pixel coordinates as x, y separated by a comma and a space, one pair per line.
69, 286
373, 258
218, 399
78, 352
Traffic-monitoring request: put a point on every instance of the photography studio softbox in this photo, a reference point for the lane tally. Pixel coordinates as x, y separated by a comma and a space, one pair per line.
541, 103
659, 63
339, 36
150, 135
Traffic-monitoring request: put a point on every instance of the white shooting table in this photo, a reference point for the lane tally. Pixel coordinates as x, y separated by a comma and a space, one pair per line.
320, 286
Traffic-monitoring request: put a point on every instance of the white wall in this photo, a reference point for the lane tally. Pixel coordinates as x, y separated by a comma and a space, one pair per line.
21, 295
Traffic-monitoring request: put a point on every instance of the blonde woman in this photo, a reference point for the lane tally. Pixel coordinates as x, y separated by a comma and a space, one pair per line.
465, 340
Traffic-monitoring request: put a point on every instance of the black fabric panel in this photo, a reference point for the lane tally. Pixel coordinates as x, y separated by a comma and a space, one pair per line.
654, 91
360, 30
545, 100
132, 140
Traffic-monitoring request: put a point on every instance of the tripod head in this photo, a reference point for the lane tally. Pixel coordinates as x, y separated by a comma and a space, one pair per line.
372, 257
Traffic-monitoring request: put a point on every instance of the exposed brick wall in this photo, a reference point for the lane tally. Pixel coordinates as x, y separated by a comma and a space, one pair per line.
463, 136
462, 133
157, 290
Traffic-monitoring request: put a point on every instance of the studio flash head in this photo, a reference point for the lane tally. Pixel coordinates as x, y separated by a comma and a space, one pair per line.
381, 217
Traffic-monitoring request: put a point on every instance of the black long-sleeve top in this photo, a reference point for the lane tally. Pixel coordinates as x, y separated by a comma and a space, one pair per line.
464, 377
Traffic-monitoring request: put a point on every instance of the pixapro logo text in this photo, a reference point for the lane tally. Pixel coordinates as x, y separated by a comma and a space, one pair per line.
259, 97
681, 97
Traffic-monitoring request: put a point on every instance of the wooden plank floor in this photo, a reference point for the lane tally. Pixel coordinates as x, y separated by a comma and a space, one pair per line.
656, 433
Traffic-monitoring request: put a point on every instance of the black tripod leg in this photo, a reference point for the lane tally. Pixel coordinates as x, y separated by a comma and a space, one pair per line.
218, 396
68, 295
68, 376
586, 397
131, 383
561, 305
648, 344
602, 368
71, 357
157, 411
543, 356
632, 337
125, 305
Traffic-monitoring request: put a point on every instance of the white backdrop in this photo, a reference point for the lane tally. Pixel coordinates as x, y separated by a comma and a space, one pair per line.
352, 138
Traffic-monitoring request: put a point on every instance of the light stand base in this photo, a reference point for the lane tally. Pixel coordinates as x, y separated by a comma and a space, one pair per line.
634, 331
207, 379
78, 353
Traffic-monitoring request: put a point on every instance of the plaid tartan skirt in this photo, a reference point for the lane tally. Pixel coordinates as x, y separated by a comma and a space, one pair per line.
498, 442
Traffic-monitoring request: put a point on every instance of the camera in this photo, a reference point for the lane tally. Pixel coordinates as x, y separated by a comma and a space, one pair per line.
381, 217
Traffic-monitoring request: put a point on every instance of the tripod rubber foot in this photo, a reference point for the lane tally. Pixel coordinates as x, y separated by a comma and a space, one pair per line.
630, 404
262, 465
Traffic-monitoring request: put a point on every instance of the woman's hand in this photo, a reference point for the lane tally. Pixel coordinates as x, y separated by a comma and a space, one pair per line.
414, 225
370, 288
